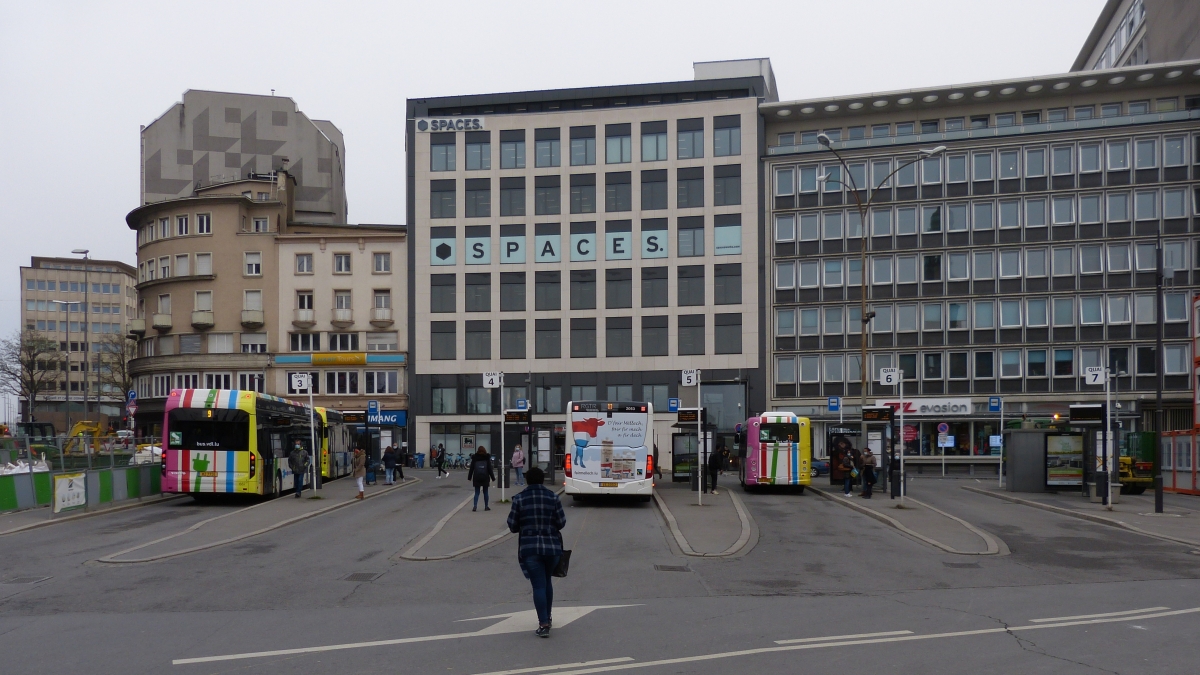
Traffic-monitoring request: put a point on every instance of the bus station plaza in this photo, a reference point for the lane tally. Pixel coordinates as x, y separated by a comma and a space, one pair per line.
966, 577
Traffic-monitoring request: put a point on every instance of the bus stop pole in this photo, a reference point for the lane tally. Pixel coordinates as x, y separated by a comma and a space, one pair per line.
501, 476
903, 480
1000, 466
699, 469
312, 437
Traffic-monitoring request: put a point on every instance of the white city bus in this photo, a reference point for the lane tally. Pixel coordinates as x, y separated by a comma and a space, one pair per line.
609, 449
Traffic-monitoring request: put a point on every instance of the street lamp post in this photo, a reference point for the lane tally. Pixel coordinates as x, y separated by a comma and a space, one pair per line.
87, 361
66, 305
864, 316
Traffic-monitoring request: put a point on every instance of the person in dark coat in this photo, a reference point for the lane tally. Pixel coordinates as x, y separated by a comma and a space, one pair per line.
537, 516
298, 464
389, 464
481, 474
715, 463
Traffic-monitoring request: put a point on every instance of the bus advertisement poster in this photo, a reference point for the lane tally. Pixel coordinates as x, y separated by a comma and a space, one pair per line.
1064, 459
609, 446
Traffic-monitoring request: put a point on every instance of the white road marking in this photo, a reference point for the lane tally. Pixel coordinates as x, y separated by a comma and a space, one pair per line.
539, 669
514, 622
842, 637
1099, 616
846, 643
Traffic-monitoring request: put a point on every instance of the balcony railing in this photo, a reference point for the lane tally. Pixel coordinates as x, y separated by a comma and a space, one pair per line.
202, 319
381, 316
137, 326
253, 318
304, 318
342, 317
161, 321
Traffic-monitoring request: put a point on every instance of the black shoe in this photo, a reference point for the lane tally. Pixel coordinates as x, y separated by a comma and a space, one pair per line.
542, 631
487, 508
474, 508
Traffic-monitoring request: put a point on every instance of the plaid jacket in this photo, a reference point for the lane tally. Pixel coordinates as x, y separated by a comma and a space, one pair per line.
537, 514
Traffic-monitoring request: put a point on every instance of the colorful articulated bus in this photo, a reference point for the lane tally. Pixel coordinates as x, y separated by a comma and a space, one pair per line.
778, 450
232, 441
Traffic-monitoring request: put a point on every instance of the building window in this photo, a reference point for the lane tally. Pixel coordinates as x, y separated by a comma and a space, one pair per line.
253, 343
478, 198
1060, 161
1036, 313
583, 289
654, 336
654, 141
442, 198
583, 146
382, 382
382, 342
343, 342
727, 284
1010, 363
727, 135
512, 339
618, 288
1091, 311
1175, 359
985, 367
306, 342
583, 338
341, 263
618, 336
932, 316
304, 263
618, 191
985, 315
251, 382
547, 338
618, 144
479, 292
547, 199
512, 291
512, 149
479, 340
1118, 206
203, 264
1118, 309
342, 300
442, 340
220, 343
583, 193
341, 382
203, 301
1118, 155
203, 223
442, 151
1064, 312
1035, 363
181, 225
690, 283
690, 237
654, 287
546, 148
444, 400
443, 293
512, 196
383, 299
727, 185
1145, 205
260, 225
547, 291
691, 334
690, 187
383, 263
253, 264
1064, 362
727, 333
690, 138
654, 190
479, 150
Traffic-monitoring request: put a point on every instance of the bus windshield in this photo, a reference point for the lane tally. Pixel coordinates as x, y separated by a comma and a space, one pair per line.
219, 429
778, 433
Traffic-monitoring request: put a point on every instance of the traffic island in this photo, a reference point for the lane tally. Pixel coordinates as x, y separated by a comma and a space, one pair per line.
922, 522
711, 526
463, 531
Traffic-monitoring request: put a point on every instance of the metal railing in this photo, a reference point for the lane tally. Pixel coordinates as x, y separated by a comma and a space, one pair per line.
25, 454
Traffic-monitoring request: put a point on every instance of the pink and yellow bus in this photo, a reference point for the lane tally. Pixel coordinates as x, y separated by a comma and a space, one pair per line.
778, 450
236, 441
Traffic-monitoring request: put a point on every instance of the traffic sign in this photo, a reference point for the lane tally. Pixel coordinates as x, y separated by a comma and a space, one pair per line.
945, 441
995, 404
522, 404
673, 405
372, 407
1093, 375
132, 395
889, 377
132, 408
996, 441
691, 377
300, 381
493, 380
835, 404
943, 428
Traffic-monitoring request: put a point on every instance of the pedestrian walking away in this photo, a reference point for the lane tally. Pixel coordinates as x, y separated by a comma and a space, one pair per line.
440, 459
389, 464
481, 475
868, 472
401, 460
537, 517
715, 462
358, 466
518, 464
298, 464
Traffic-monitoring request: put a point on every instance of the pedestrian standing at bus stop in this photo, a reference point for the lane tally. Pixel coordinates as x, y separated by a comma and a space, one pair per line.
481, 474
298, 464
518, 463
538, 518
868, 472
715, 461
359, 467
389, 464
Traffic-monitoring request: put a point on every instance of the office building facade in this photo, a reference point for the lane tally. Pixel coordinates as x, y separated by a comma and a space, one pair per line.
1139, 32
1005, 266
588, 243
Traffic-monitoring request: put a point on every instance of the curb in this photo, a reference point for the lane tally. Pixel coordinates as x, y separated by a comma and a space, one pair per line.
109, 559
686, 548
1101, 520
993, 546
89, 514
428, 536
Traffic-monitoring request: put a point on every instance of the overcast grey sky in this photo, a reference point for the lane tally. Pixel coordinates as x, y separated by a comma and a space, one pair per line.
78, 78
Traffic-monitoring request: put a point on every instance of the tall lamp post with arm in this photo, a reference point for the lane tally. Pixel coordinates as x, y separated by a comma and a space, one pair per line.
863, 224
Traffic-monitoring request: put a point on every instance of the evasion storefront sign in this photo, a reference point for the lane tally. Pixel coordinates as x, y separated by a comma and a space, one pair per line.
930, 406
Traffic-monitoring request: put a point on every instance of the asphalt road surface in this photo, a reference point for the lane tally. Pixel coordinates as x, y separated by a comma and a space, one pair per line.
825, 589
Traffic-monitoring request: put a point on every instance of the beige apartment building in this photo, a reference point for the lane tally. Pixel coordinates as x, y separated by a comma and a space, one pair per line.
82, 304
246, 276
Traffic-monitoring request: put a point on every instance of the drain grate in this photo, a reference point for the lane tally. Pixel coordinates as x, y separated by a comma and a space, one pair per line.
362, 576
672, 568
25, 580
962, 566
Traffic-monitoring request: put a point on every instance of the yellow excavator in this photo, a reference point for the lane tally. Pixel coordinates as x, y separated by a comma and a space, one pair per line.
85, 437
1136, 462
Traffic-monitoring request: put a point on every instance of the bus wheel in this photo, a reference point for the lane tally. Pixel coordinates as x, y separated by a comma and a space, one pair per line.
646, 498
799, 489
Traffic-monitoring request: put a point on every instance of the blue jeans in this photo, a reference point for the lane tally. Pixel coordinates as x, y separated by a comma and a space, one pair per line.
539, 569
520, 474
390, 473
485, 496
298, 481
849, 483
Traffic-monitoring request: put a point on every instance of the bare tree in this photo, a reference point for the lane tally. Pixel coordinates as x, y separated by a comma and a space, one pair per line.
29, 365
116, 351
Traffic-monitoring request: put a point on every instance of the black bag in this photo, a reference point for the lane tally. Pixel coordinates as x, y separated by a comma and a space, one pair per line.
564, 564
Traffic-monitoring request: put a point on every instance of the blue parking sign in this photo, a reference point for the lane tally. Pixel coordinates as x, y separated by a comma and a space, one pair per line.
995, 403
835, 404
673, 405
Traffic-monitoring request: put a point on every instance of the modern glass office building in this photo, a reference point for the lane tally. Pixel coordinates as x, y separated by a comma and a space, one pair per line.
1003, 266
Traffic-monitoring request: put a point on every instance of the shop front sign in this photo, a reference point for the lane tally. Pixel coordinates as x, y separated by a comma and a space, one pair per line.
930, 406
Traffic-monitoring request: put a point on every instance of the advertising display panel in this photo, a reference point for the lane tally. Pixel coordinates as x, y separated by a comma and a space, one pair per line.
1064, 459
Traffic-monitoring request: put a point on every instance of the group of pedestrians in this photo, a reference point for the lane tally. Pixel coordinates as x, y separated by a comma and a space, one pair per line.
852, 465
